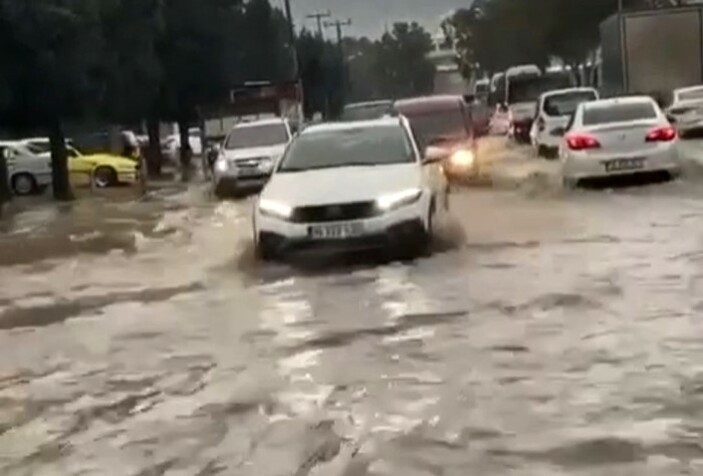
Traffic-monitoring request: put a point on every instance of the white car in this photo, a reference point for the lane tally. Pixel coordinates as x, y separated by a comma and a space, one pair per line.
29, 173
554, 109
171, 145
351, 185
619, 136
686, 110
249, 154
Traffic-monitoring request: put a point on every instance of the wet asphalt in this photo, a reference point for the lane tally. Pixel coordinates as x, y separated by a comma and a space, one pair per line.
550, 332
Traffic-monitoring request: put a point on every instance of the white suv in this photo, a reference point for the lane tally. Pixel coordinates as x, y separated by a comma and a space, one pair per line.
249, 154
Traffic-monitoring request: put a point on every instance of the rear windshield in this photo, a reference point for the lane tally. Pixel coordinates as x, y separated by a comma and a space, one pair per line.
691, 95
566, 104
482, 88
439, 127
618, 113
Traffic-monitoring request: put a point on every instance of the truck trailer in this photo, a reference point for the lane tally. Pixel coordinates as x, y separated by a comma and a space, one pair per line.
651, 51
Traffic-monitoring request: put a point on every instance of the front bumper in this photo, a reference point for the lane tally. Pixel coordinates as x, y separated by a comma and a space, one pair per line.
129, 177
384, 230
578, 165
521, 131
233, 184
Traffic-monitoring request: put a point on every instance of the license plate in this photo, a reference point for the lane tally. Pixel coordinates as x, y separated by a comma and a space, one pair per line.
248, 171
336, 232
623, 164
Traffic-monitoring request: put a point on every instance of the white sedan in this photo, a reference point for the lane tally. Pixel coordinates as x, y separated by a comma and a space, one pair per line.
348, 186
29, 173
618, 136
686, 110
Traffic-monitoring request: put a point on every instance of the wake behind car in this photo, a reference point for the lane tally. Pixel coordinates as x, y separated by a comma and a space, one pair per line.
611, 137
350, 185
444, 124
554, 109
249, 154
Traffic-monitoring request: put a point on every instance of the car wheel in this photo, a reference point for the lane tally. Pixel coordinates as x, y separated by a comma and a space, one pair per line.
542, 151
24, 184
265, 249
104, 177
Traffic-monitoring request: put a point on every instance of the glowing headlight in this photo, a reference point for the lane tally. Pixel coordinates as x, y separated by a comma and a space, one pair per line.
273, 208
221, 165
462, 158
398, 199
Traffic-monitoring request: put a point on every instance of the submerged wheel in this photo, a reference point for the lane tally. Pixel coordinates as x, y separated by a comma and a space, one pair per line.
104, 177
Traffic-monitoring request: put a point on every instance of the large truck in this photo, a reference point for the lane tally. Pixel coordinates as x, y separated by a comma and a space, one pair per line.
651, 52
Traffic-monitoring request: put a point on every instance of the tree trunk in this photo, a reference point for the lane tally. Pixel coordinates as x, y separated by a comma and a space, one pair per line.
59, 163
185, 153
5, 193
154, 158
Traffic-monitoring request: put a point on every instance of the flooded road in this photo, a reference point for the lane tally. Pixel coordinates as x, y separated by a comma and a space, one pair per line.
550, 333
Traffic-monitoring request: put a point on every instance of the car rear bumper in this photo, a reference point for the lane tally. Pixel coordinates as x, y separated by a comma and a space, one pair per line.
577, 166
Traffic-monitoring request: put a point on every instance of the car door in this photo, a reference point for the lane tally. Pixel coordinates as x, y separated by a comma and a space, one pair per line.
80, 167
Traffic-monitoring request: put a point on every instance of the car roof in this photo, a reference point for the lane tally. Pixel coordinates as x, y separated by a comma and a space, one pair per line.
381, 102
8, 143
261, 122
620, 100
426, 104
688, 89
348, 125
557, 92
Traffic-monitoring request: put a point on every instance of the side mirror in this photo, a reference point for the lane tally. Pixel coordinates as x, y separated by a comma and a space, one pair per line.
434, 154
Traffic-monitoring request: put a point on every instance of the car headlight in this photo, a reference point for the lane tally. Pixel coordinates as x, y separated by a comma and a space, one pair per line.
462, 158
398, 199
276, 209
266, 165
221, 165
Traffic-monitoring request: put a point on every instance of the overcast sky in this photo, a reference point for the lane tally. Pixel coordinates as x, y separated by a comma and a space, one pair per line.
370, 16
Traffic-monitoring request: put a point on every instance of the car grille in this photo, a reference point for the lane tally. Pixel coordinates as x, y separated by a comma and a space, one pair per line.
328, 213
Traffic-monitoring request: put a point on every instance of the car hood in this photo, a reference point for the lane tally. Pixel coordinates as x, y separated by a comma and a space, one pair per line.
273, 151
341, 184
523, 110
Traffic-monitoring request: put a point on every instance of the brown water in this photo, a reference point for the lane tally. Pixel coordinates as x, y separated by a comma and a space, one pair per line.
550, 333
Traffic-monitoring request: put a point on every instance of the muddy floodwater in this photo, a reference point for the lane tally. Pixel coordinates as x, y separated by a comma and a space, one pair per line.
548, 333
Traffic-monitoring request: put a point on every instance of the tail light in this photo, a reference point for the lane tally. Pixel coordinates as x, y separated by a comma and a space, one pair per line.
540, 124
661, 134
582, 142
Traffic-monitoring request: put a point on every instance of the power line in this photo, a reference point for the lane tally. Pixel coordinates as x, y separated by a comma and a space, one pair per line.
338, 24
318, 16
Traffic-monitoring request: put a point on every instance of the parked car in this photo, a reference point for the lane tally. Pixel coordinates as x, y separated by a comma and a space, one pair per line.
171, 145
351, 185
445, 123
609, 137
105, 170
686, 109
554, 109
367, 110
249, 154
28, 172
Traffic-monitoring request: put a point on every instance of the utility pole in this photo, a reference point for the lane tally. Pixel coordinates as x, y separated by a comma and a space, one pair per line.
338, 24
291, 39
318, 16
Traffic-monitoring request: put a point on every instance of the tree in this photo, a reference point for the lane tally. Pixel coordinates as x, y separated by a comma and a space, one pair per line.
50, 57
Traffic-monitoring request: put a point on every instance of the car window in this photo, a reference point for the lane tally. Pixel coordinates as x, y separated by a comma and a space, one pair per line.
570, 124
693, 94
359, 146
256, 136
439, 126
566, 104
595, 115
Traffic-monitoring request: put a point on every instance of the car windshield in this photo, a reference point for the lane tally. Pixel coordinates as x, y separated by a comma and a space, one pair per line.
565, 104
360, 112
437, 127
358, 146
596, 115
38, 147
256, 136
691, 95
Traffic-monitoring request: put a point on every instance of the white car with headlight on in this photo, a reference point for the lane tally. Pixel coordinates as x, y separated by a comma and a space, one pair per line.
249, 155
352, 185
609, 137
